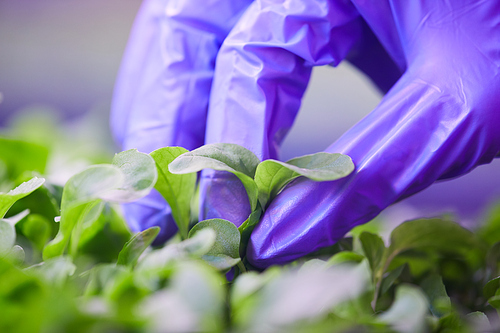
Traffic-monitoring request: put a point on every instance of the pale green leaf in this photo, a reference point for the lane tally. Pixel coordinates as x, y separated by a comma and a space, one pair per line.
140, 176
136, 246
177, 189
9, 198
224, 253
272, 175
222, 157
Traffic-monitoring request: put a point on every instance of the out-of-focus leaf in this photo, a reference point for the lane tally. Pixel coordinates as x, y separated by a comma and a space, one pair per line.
407, 313
7, 237
193, 301
102, 277
306, 294
140, 176
55, 271
9, 198
388, 281
81, 200
434, 288
81, 193
489, 231
224, 253
43, 201
478, 322
222, 157
103, 236
272, 175
17, 254
494, 301
373, 248
20, 156
345, 256
177, 189
437, 234
490, 288
195, 246
136, 246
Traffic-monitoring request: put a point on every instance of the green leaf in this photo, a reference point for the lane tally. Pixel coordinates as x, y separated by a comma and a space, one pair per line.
193, 301
9, 198
388, 281
20, 156
196, 246
490, 288
7, 237
81, 193
272, 175
345, 256
222, 157
247, 227
373, 248
102, 278
224, 254
136, 246
489, 231
140, 176
437, 234
37, 229
433, 286
55, 271
177, 190
102, 237
407, 313
307, 294
479, 322
494, 301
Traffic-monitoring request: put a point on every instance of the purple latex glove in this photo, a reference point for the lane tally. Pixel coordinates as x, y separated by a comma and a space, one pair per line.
162, 91
162, 95
438, 121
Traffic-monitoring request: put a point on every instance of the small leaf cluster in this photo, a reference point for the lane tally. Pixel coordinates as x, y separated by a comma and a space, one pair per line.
68, 262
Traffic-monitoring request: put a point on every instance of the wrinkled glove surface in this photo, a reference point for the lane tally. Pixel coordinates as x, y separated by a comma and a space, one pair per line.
439, 61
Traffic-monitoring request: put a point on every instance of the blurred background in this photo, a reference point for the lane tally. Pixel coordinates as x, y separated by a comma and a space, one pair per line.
60, 58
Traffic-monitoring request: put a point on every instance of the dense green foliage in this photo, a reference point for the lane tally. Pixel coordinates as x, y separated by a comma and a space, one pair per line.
68, 262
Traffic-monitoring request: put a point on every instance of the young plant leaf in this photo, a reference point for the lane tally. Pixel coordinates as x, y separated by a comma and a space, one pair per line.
7, 237
271, 175
224, 254
222, 157
373, 248
434, 288
37, 229
136, 246
55, 271
195, 246
407, 313
345, 256
9, 198
490, 288
81, 193
20, 156
140, 174
247, 227
177, 189
388, 281
438, 234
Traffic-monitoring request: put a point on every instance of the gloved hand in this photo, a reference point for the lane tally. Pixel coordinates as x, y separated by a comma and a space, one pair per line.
162, 95
162, 90
438, 121
435, 123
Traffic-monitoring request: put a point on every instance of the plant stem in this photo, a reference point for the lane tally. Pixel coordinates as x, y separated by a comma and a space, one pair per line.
380, 278
242, 267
